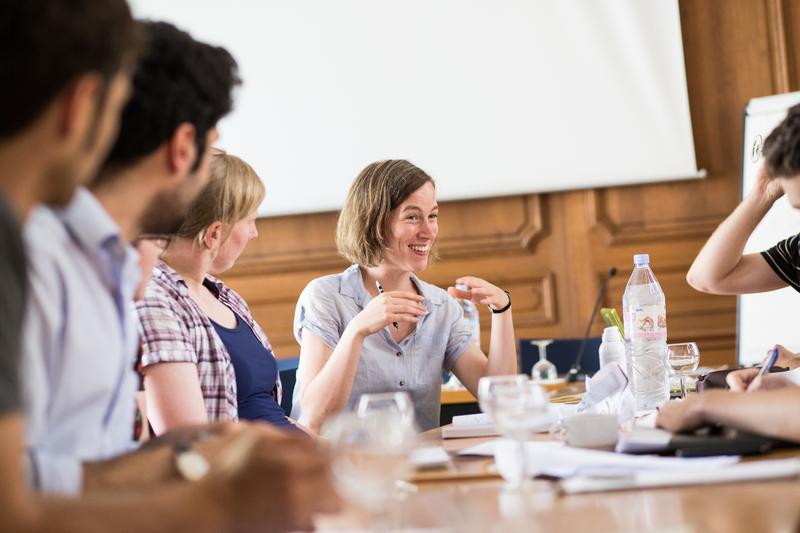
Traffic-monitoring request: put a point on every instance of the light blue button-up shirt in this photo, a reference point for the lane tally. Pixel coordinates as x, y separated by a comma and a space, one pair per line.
79, 343
414, 365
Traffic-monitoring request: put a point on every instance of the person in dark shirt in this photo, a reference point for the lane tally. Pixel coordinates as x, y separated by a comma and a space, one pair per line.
66, 69
721, 267
12, 300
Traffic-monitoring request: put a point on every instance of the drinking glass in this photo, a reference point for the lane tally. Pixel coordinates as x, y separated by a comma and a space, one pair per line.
543, 370
517, 410
396, 402
370, 455
486, 386
683, 359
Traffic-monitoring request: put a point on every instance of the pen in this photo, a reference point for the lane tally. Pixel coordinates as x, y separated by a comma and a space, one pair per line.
769, 362
380, 291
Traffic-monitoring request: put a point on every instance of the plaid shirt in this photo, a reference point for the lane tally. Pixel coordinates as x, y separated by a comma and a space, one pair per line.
175, 329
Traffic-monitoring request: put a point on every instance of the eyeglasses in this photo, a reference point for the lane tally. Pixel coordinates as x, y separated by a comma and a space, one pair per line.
159, 240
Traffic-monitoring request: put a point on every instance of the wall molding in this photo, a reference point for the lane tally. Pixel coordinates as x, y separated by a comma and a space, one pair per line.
523, 233
600, 220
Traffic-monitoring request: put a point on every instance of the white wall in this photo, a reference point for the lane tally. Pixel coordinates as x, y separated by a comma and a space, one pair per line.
490, 97
771, 317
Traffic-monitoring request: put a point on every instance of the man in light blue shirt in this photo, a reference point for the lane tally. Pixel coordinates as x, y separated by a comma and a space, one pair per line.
79, 341
80, 338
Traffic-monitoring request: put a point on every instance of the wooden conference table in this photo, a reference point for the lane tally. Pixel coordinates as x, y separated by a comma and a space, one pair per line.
470, 497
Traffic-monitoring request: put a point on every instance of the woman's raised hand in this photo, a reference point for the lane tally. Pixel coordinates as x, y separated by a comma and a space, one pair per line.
389, 307
480, 291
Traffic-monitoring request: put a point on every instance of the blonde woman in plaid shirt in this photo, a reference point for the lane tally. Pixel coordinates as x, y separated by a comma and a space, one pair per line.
204, 358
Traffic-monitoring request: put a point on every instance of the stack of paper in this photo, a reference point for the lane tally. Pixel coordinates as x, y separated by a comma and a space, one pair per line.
754, 471
555, 459
479, 425
643, 440
429, 457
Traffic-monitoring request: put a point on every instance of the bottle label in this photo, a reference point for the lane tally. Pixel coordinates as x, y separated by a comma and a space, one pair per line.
646, 323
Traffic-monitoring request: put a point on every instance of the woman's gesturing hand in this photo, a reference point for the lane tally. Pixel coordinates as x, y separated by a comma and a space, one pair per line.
480, 291
384, 309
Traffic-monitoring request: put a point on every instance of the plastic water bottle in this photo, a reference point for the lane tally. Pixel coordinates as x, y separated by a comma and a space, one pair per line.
645, 314
612, 349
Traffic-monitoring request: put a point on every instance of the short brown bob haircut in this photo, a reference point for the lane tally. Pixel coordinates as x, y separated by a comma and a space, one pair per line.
363, 229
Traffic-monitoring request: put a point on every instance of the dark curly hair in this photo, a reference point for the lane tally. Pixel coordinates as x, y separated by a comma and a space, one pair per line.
782, 146
178, 80
47, 44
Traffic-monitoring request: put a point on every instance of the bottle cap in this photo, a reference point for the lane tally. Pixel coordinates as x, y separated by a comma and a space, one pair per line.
641, 259
611, 334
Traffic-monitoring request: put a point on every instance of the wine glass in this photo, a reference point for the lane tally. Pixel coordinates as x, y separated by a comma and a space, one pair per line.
683, 359
543, 370
487, 384
518, 409
397, 402
370, 455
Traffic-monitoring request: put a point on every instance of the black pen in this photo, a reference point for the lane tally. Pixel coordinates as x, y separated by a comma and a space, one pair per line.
380, 291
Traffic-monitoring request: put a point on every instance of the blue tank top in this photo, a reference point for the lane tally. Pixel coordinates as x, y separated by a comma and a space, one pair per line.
256, 374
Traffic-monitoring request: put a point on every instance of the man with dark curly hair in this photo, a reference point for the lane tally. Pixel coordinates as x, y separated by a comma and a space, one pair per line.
181, 89
721, 267
80, 336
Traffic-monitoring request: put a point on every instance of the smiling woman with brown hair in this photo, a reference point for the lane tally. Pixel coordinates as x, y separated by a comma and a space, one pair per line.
377, 327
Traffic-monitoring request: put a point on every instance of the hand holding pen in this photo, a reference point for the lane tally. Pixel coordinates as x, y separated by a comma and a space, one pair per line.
769, 362
387, 308
750, 379
380, 291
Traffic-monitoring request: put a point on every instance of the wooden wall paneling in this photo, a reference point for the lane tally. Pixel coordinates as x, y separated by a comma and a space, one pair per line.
791, 34
504, 225
508, 242
779, 33
579, 265
292, 243
726, 51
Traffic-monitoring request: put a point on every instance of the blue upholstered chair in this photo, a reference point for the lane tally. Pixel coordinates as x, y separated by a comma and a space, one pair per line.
562, 353
288, 371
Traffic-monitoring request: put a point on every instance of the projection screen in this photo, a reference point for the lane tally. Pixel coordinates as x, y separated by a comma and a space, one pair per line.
491, 98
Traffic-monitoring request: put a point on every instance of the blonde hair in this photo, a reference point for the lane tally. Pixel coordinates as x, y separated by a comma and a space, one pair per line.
233, 191
363, 228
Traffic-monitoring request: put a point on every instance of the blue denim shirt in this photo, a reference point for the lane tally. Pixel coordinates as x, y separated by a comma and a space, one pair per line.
79, 344
414, 365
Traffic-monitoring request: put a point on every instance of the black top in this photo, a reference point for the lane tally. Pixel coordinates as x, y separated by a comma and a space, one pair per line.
784, 258
256, 374
12, 306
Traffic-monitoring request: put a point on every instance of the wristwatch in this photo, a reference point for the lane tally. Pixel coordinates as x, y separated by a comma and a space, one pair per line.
190, 464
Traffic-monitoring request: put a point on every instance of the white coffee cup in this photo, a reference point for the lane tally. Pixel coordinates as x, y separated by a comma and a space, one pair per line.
590, 430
